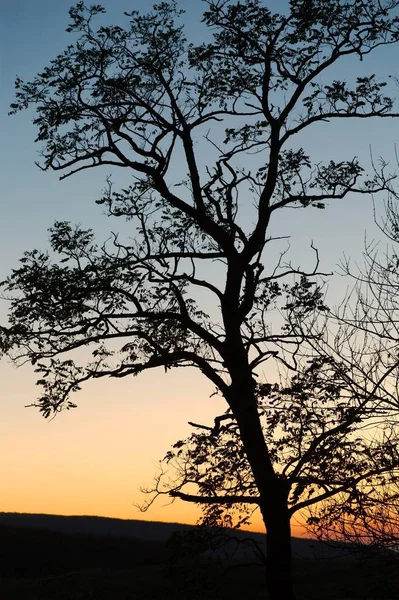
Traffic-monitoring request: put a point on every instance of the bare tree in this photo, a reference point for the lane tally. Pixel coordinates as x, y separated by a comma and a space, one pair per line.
144, 99
369, 317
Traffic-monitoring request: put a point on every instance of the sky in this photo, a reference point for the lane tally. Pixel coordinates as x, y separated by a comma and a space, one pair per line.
94, 459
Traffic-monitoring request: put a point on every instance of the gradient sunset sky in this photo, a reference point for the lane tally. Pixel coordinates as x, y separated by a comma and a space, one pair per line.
92, 460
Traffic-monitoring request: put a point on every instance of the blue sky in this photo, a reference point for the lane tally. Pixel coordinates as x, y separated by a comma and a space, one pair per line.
33, 32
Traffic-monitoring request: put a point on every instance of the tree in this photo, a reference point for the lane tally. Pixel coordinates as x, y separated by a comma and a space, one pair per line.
373, 520
144, 99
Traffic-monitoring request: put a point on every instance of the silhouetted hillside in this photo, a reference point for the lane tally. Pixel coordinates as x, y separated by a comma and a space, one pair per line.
43, 557
140, 530
145, 530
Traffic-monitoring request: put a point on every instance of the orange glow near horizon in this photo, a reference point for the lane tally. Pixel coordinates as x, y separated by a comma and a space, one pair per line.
93, 460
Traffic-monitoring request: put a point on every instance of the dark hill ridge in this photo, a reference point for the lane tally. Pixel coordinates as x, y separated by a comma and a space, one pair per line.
154, 531
104, 526
43, 557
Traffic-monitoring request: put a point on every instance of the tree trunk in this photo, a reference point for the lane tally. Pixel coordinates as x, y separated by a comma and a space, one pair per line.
273, 492
279, 580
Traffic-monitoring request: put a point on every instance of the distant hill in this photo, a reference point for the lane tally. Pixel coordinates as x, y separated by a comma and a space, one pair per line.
104, 526
43, 557
150, 531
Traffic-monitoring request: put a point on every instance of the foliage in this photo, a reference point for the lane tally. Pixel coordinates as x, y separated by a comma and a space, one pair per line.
134, 98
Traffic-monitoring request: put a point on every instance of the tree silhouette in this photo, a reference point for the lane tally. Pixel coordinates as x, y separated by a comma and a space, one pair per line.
373, 518
143, 98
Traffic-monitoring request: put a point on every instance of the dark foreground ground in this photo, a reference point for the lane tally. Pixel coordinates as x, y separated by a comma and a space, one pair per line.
43, 564
333, 581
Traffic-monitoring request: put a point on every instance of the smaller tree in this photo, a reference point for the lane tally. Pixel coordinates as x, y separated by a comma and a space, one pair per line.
370, 314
